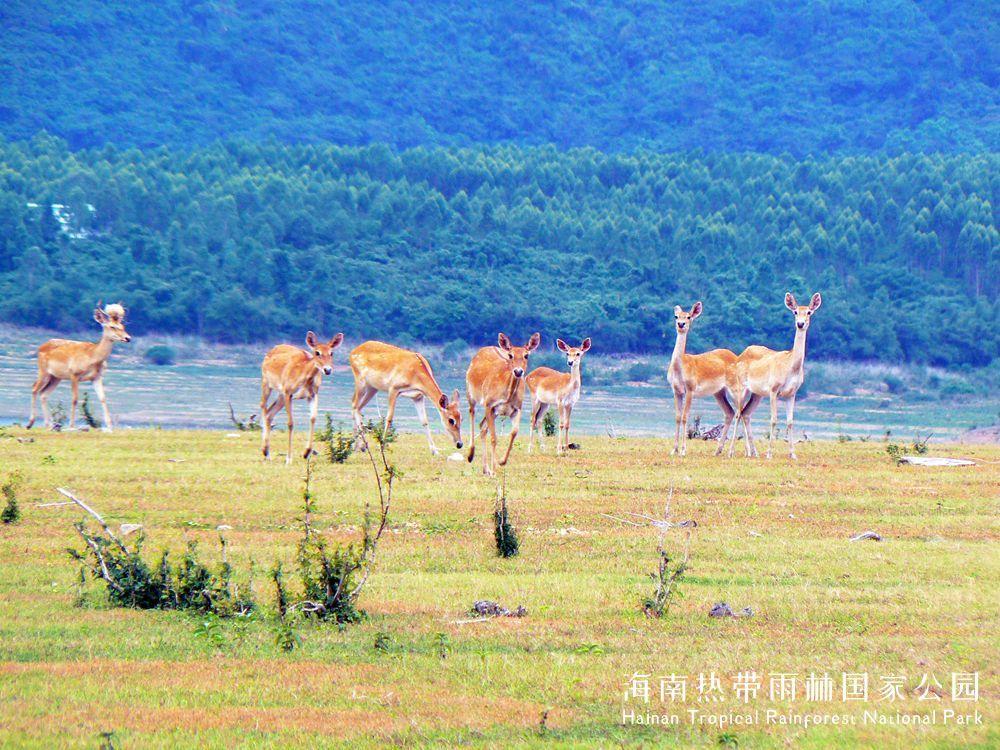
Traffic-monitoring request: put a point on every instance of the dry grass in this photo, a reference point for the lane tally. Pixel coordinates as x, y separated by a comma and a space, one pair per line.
923, 600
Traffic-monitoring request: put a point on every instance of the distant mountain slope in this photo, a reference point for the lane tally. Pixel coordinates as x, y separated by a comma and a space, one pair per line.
786, 75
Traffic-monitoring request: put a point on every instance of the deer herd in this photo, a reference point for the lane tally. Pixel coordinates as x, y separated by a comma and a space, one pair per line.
495, 380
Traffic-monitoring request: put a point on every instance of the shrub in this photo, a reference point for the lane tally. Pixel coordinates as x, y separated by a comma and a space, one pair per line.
339, 443
550, 423
503, 531
643, 372
160, 355
12, 511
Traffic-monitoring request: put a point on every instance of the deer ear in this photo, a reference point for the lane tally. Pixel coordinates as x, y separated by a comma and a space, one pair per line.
503, 342
696, 310
99, 315
790, 301
561, 345
311, 340
443, 401
585, 346
678, 310
336, 341
815, 302
534, 341
454, 396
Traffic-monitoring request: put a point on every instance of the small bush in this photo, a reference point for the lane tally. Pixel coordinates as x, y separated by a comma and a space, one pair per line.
161, 355
339, 443
12, 511
88, 415
643, 372
503, 532
550, 423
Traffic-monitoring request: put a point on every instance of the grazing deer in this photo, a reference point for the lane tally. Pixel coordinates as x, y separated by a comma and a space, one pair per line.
400, 372
294, 373
776, 375
495, 379
561, 389
76, 361
696, 376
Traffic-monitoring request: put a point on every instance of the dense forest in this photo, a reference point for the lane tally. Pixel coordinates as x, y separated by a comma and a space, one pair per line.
802, 76
245, 242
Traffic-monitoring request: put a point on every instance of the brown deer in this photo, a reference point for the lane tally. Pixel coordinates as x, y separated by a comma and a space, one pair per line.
495, 379
776, 375
76, 361
562, 389
399, 372
696, 376
294, 373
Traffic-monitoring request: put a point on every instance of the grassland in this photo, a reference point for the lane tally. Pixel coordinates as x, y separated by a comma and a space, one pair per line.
772, 535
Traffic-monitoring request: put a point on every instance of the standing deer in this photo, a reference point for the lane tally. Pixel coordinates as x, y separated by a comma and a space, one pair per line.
294, 373
400, 372
495, 379
561, 389
696, 376
76, 361
776, 375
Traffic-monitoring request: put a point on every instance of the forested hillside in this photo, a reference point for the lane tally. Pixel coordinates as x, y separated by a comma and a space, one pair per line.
802, 76
243, 242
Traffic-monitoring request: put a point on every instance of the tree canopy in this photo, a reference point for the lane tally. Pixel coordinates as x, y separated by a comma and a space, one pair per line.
243, 242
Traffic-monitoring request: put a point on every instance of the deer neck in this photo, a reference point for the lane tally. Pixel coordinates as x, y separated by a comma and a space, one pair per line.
799, 348
102, 349
575, 375
677, 358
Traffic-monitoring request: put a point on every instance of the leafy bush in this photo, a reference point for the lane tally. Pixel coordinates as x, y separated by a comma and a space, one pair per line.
550, 423
161, 355
644, 372
339, 443
12, 511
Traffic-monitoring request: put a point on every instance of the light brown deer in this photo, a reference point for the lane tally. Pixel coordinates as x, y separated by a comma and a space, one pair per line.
560, 389
694, 376
294, 373
399, 372
495, 379
76, 361
776, 375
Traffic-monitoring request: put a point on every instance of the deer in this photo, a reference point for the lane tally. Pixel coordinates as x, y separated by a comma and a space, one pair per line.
78, 361
378, 366
694, 376
495, 379
549, 387
776, 375
294, 374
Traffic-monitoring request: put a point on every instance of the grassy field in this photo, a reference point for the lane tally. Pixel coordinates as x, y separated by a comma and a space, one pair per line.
772, 535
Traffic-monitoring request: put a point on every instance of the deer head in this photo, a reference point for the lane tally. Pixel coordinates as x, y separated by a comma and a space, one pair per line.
683, 319
518, 355
112, 320
323, 353
451, 416
803, 313
573, 353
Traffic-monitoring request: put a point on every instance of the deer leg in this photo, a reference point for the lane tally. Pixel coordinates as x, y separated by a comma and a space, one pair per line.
541, 410
774, 422
748, 411
569, 416
421, 407
688, 398
533, 422
362, 395
43, 396
288, 406
490, 457
728, 412
36, 389
790, 422
515, 423
472, 430
742, 411
313, 412
99, 390
678, 416
390, 412
266, 415
75, 385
